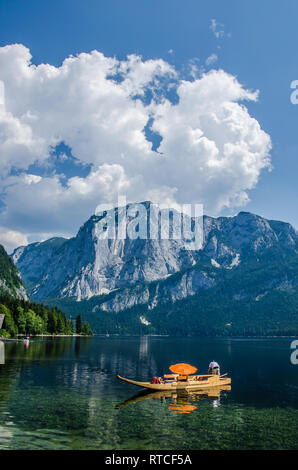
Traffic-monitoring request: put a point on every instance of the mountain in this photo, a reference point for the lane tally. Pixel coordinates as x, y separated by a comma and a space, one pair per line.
86, 265
32, 261
10, 279
245, 273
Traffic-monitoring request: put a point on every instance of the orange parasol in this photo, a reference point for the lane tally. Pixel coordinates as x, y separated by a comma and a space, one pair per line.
183, 369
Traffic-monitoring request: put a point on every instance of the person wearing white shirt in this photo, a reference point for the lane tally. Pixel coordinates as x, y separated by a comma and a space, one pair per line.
214, 367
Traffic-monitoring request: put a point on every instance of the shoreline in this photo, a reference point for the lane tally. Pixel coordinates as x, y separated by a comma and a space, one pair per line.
23, 337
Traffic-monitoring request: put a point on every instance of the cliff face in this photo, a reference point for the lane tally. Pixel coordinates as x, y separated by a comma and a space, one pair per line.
10, 279
88, 265
129, 272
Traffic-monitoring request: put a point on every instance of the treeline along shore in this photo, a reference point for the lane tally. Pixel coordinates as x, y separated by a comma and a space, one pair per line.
24, 317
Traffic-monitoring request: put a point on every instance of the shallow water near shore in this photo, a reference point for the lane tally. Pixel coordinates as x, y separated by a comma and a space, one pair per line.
63, 394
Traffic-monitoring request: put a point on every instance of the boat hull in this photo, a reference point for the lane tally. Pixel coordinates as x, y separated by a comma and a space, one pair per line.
210, 381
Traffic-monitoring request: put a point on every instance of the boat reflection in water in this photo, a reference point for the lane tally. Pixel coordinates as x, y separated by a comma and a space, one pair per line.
183, 402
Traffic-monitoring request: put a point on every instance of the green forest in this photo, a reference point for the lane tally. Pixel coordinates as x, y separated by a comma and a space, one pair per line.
240, 305
29, 318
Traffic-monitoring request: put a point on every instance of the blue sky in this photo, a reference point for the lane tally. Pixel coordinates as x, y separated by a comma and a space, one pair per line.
253, 41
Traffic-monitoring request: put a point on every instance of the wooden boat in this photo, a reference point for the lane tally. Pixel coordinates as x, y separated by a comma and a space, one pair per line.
175, 382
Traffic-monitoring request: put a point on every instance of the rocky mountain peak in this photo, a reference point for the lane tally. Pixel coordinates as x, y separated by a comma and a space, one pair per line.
92, 263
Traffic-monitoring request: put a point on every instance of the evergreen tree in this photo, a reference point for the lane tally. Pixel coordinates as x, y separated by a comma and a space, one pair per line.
28, 318
34, 323
21, 320
52, 322
79, 324
86, 329
69, 329
8, 324
60, 325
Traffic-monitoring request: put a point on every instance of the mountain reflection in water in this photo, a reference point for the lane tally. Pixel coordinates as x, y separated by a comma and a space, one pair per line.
63, 393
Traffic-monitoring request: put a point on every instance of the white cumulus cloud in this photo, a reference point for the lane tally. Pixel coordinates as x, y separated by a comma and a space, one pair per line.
11, 238
211, 150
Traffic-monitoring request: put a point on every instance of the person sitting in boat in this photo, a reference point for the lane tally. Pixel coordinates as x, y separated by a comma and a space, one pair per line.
155, 380
214, 367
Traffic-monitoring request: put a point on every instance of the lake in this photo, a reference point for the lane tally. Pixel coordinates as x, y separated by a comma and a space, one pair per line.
63, 394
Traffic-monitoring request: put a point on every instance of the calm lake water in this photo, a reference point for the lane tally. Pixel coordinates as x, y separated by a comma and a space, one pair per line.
63, 394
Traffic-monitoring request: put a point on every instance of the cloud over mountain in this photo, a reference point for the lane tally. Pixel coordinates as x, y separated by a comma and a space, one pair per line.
207, 148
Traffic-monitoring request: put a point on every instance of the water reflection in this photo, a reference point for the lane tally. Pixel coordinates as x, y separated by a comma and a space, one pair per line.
181, 401
143, 349
63, 393
77, 347
2, 353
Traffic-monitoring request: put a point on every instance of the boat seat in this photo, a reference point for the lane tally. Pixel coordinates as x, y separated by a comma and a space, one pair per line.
182, 378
